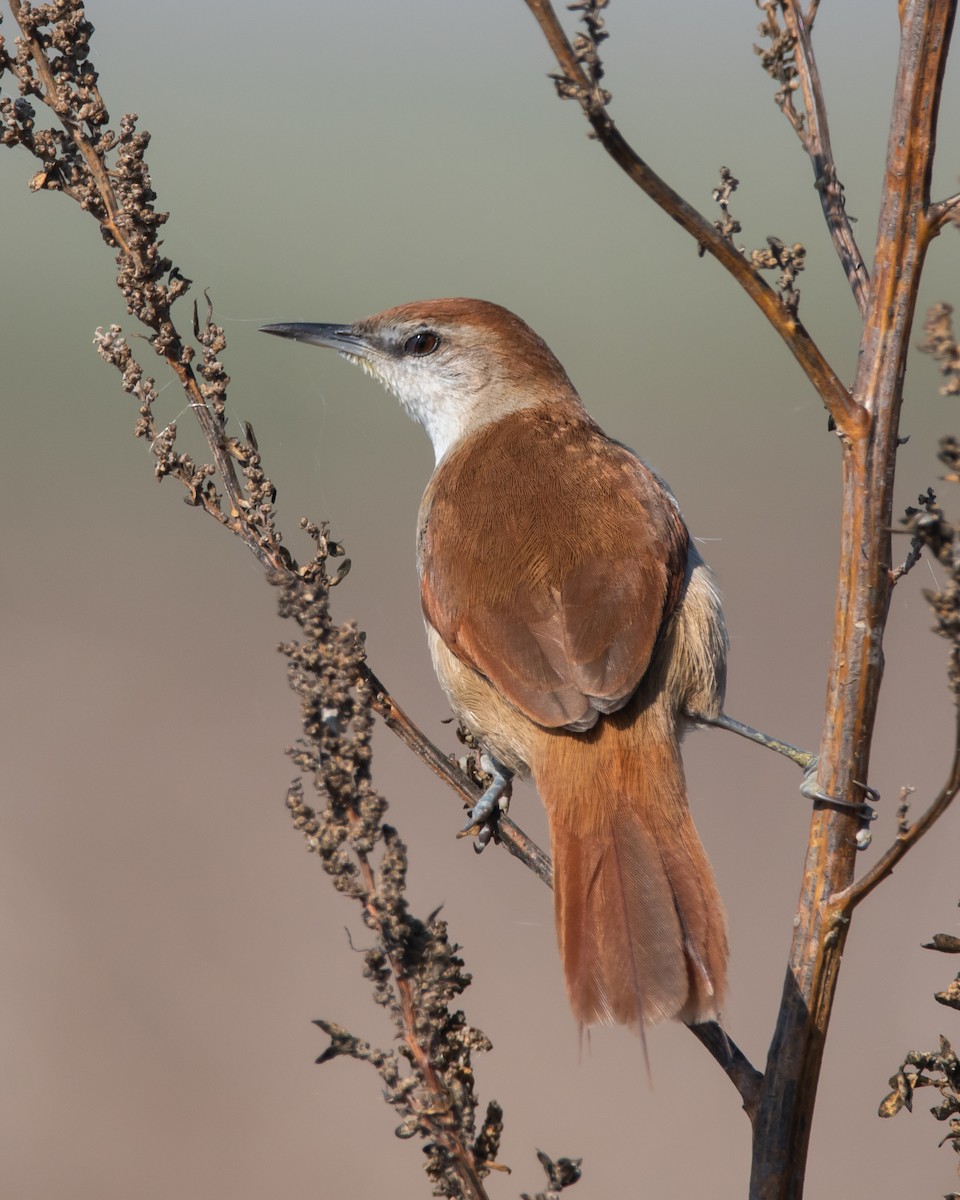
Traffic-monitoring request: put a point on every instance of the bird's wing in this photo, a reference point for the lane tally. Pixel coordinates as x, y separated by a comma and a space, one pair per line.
549, 560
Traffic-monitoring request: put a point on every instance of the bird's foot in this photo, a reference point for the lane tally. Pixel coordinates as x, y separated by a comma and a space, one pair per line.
808, 761
495, 800
856, 808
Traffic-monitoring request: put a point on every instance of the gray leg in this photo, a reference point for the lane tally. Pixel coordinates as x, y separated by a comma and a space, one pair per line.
803, 758
810, 788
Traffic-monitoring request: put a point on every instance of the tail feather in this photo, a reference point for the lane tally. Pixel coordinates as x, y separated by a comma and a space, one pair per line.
639, 920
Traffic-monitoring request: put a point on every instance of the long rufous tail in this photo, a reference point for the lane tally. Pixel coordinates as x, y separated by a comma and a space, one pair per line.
639, 919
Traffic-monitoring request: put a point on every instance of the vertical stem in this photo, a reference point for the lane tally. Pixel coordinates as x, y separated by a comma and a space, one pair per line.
782, 1129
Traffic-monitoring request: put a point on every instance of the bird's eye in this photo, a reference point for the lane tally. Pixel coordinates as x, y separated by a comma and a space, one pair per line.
422, 343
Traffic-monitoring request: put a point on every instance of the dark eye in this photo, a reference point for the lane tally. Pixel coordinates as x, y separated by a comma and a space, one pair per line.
422, 343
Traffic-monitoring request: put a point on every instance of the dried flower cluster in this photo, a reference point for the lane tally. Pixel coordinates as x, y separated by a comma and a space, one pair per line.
728, 224
560, 1174
930, 529
585, 87
789, 261
938, 1069
414, 968
106, 172
778, 59
940, 342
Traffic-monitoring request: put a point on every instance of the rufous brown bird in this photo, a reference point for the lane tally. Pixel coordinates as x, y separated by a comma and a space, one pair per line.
577, 634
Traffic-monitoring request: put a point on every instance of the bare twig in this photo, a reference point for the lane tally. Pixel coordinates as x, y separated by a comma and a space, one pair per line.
742, 1073
847, 900
943, 211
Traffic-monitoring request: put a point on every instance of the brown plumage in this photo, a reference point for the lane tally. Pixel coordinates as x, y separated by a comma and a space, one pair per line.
576, 632
573, 613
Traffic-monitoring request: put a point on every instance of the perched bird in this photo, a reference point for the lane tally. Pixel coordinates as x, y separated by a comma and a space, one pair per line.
577, 634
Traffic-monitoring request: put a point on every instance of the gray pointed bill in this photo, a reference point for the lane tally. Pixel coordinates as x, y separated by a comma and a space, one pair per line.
337, 337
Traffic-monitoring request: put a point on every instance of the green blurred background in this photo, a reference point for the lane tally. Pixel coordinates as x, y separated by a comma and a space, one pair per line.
166, 940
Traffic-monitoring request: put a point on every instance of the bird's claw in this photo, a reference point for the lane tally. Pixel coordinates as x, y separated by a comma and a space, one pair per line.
860, 809
495, 800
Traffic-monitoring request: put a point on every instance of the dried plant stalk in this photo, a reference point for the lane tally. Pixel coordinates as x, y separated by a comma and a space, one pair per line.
416, 973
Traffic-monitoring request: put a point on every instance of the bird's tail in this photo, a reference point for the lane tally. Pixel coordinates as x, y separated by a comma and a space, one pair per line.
639, 919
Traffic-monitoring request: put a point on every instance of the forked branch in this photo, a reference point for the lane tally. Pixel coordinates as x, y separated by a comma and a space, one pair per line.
574, 82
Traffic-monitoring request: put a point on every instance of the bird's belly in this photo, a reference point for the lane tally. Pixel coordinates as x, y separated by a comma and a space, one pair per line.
501, 729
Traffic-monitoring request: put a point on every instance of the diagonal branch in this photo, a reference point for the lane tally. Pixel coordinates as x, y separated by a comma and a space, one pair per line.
742, 1073
575, 83
848, 900
519, 844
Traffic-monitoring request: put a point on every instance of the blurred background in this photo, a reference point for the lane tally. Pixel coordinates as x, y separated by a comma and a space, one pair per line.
166, 939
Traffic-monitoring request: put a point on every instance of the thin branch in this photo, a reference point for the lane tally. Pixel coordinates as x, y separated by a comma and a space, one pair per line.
575, 83
848, 899
741, 1072
519, 844
814, 133
942, 211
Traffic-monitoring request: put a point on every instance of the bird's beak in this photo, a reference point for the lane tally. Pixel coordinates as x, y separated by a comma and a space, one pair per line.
337, 337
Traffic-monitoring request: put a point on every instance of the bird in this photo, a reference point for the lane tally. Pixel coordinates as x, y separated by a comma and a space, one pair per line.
577, 634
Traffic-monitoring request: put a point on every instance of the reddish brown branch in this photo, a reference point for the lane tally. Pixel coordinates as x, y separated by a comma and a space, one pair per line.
793, 1067
576, 84
434, 1110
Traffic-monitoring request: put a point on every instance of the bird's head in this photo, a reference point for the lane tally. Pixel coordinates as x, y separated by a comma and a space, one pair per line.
455, 365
